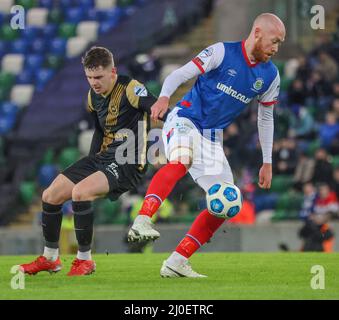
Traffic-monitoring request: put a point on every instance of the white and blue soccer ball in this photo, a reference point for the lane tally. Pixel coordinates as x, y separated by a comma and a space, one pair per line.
224, 200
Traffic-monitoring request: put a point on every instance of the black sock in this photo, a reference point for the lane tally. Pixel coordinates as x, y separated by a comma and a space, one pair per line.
83, 223
51, 224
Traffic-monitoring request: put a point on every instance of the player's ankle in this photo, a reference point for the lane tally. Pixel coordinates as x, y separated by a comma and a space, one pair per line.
150, 206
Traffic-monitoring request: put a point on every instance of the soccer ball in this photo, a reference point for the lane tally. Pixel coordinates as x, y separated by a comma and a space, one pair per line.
224, 200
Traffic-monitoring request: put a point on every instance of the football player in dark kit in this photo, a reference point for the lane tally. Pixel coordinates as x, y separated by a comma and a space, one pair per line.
120, 107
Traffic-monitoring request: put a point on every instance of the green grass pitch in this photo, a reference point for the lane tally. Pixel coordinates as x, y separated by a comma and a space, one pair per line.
136, 276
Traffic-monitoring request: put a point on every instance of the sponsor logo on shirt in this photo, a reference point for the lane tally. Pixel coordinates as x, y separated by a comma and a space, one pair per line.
233, 93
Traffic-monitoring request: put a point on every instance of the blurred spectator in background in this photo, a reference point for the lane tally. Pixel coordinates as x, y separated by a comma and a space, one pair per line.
336, 181
309, 198
316, 237
323, 171
329, 131
327, 67
145, 67
296, 92
304, 171
285, 156
302, 124
326, 204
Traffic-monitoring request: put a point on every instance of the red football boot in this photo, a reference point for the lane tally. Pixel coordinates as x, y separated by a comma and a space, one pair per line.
41, 264
81, 267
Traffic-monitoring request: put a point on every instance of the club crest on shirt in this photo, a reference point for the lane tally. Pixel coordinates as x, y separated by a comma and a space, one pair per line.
140, 91
257, 85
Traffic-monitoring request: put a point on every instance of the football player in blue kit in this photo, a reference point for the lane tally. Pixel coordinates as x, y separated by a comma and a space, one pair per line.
230, 75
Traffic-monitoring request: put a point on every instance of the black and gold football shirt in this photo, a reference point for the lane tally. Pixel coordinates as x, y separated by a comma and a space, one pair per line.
122, 122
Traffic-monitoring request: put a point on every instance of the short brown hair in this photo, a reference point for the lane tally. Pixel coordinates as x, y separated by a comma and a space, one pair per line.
96, 57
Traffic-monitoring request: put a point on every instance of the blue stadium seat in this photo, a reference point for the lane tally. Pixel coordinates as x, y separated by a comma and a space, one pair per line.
58, 46
30, 33
34, 61
75, 15
47, 173
92, 14
114, 14
7, 123
67, 3
86, 4
8, 108
38, 46
50, 30
46, 4
42, 77
1, 19
20, 46
26, 76
106, 26
3, 48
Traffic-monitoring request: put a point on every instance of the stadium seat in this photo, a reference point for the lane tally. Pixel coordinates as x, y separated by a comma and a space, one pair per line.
6, 123
84, 141
8, 108
67, 157
27, 192
75, 15
34, 61
3, 48
313, 147
46, 4
106, 26
92, 14
108, 211
290, 201
76, 46
12, 63
21, 94
38, 46
46, 174
30, 33
88, 30
26, 76
48, 157
37, 17
55, 16
7, 33
67, 30
4, 94
20, 46
335, 161
281, 183
42, 76
27, 4
54, 61
105, 4
124, 3
6, 80
86, 4
58, 46
6, 5
154, 87
50, 31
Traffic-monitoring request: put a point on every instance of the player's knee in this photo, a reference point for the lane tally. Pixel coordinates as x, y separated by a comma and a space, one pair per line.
185, 160
51, 197
81, 194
